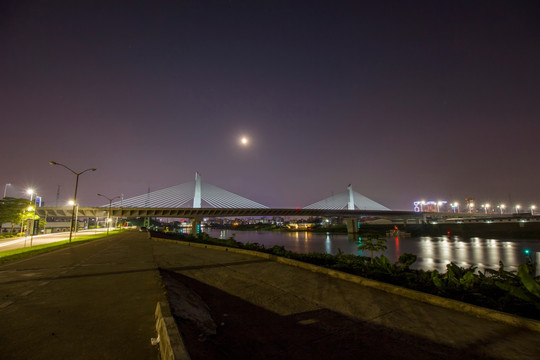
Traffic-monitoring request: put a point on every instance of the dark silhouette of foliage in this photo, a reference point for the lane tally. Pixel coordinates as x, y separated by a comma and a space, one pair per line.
12, 210
372, 243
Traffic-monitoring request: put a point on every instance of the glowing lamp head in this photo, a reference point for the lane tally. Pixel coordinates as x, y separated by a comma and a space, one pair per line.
244, 140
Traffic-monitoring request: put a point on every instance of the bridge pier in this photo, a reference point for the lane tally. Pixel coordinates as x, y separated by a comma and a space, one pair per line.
352, 225
196, 225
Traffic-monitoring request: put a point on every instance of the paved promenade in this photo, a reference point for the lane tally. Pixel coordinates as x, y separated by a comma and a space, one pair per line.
97, 301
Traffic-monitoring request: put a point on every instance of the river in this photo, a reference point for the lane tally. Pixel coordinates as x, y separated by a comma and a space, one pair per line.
433, 252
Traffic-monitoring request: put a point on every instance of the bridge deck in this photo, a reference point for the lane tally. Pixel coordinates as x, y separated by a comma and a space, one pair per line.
214, 212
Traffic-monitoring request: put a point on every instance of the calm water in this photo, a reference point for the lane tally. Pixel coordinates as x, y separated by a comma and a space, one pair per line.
433, 252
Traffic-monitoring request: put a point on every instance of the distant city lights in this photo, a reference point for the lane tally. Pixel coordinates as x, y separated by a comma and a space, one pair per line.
470, 207
428, 206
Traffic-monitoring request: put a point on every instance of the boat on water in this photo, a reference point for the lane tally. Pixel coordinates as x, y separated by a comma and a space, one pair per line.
398, 233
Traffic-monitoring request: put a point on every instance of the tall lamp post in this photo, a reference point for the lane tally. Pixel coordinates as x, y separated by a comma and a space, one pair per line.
31, 192
76, 223
5, 189
110, 205
74, 196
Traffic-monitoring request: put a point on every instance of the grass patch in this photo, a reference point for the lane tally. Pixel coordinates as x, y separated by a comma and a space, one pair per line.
22, 253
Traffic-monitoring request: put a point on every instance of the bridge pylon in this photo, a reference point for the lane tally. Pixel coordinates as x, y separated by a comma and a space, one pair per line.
352, 225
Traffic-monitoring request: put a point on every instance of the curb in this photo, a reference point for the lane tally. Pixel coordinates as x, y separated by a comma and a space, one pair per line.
171, 345
474, 310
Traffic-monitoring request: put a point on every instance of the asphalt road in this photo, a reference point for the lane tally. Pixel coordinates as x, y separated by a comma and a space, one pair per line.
94, 300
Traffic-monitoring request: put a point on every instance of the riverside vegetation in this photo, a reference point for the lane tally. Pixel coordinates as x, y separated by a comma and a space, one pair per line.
508, 291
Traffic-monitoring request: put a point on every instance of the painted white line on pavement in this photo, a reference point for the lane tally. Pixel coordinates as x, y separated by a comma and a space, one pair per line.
11, 242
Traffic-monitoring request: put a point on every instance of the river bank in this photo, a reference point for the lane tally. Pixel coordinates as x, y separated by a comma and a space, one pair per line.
515, 229
516, 293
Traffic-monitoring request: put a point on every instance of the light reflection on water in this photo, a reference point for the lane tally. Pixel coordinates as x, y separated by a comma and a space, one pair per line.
433, 252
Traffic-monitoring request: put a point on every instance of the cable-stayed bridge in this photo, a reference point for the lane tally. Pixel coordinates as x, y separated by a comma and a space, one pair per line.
197, 200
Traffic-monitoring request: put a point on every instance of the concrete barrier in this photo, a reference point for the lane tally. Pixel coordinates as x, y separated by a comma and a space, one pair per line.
538, 263
171, 345
474, 310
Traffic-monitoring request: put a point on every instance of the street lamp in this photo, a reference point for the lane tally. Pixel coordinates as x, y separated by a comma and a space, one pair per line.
532, 209
109, 214
501, 207
33, 216
74, 196
76, 225
31, 193
517, 208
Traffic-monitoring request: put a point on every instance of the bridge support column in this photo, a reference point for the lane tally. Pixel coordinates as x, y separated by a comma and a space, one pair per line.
352, 225
196, 225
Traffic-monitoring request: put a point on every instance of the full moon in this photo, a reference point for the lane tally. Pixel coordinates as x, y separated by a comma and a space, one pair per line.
244, 140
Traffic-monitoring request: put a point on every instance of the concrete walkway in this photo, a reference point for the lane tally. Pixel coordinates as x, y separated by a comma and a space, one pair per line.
97, 301
345, 320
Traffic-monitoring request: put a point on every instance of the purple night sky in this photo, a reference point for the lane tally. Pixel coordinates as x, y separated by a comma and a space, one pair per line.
405, 100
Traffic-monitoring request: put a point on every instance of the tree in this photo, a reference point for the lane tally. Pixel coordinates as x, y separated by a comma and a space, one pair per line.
372, 243
12, 210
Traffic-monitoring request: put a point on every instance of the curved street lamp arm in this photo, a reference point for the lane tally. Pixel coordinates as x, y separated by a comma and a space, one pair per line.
55, 163
108, 198
82, 172
73, 171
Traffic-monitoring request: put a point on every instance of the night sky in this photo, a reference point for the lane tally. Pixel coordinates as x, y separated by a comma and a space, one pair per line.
405, 100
